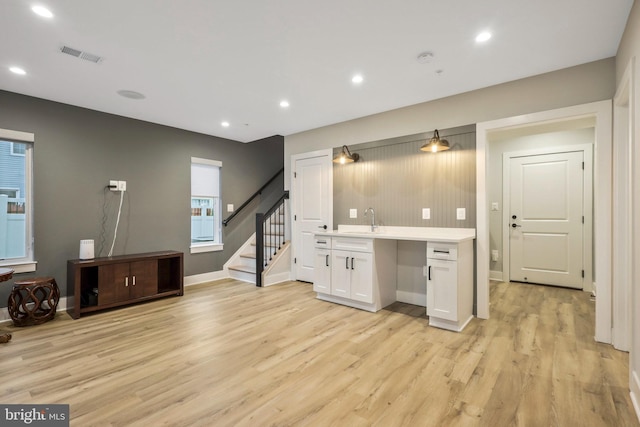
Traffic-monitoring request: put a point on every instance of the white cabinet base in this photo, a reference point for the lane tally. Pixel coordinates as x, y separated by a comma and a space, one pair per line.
349, 302
449, 324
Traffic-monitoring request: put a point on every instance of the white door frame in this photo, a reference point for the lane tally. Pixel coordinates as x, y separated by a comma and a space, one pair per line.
622, 211
587, 242
295, 233
601, 112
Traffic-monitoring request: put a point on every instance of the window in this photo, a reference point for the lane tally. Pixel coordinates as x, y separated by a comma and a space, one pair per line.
206, 212
16, 238
18, 149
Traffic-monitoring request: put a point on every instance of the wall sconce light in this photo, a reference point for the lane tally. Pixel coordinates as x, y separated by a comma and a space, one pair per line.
435, 144
345, 156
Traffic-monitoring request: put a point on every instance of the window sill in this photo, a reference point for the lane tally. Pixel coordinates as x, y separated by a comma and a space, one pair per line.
21, 267
208, 247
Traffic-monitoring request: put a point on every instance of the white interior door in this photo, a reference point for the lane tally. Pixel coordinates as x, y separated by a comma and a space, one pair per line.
546, 219
313, 196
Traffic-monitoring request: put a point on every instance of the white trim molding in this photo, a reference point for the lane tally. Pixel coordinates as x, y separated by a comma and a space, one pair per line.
601, 112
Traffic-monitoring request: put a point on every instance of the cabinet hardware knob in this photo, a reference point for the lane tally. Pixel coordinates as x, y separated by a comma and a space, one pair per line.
126, 281
352, 263
134, 280
326, 260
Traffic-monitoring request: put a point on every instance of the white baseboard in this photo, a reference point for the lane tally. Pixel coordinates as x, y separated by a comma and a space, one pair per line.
4, 312
635, 393
411, 298
496, 276
277, 278
196, 279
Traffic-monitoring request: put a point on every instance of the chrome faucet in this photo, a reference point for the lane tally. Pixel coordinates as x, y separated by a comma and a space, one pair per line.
373, 219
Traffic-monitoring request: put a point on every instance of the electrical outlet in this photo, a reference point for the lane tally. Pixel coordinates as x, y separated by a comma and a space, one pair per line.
495, 206
122, 185
353, 213
113, 185
230, 207
426, 213
461, 214
495, 255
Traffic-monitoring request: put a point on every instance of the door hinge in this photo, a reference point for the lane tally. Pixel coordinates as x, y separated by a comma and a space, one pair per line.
295, 260
582, 165
583, 274
583, 219
295, 174
295, 217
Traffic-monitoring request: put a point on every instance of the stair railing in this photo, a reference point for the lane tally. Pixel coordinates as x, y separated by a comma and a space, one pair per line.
270, 235
250, 199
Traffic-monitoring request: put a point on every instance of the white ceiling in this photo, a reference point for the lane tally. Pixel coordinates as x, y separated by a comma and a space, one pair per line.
201, 62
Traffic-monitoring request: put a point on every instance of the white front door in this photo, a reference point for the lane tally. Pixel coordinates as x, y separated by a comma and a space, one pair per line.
313, 195
546, 219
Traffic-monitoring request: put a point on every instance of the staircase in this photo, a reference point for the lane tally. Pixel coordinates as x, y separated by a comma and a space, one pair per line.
271, 261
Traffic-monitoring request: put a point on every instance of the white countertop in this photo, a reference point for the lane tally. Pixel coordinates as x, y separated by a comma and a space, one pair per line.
426, 234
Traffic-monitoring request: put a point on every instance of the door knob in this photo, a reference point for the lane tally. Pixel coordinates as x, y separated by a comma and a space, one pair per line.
513, 217
515, 225
324, 227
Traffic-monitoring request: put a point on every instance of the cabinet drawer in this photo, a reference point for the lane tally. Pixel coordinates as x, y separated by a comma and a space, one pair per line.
445, 251
352, 244
322, 242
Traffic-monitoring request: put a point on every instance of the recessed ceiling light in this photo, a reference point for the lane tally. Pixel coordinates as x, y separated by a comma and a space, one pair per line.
17, 70
357, 79
483, 36
284, 103
131, 94
225, 124
425, 57
42, 11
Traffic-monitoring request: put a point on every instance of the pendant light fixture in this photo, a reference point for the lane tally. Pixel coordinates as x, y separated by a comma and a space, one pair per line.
345, 156
435, 144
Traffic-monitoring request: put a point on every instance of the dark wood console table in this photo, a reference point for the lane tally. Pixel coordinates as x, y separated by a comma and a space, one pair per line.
102, 283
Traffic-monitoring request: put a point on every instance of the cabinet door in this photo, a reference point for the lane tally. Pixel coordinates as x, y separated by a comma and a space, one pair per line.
362, 276
113, 283
322, 271
341, 274
143, 278
442, 289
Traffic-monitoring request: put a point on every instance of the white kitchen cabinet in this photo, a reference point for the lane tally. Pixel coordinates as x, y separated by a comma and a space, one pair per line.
352, 275
450, 284
362, 272
322, 270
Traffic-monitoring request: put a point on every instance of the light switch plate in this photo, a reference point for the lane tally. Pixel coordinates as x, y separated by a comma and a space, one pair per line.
426, 213
230, 207
495, 206
353, 213
461, 214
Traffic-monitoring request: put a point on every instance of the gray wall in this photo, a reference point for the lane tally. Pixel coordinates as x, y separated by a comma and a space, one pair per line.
76, 153
398, 181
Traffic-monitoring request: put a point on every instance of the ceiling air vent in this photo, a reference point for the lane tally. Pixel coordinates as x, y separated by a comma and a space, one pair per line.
80, 54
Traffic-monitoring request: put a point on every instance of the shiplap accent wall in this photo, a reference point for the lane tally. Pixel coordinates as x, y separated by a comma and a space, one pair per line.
398, 180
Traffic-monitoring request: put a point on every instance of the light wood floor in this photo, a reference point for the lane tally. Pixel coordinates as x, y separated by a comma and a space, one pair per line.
230, 354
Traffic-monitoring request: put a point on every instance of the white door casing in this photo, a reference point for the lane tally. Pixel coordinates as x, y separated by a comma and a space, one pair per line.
546, 214
486, 132
312, 186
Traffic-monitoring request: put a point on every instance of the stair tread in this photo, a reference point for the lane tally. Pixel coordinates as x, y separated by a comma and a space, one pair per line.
248, 255
244, 268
